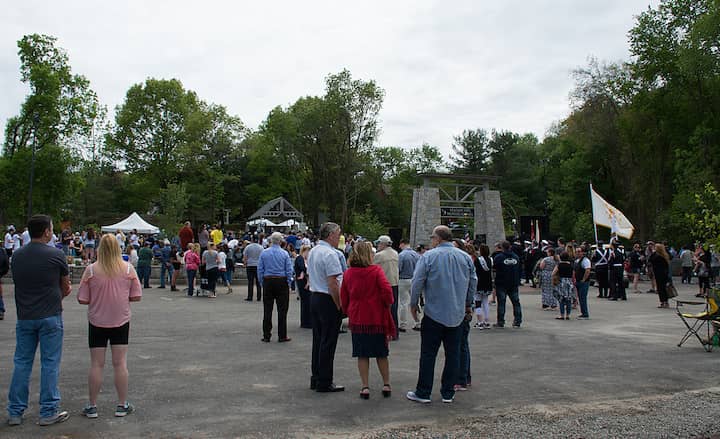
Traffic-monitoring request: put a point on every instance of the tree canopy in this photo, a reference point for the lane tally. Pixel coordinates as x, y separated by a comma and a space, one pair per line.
645, 131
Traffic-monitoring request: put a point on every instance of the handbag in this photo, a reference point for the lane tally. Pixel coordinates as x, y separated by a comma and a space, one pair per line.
671, 290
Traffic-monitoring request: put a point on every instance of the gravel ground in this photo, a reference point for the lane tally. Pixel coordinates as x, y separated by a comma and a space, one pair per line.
682, 415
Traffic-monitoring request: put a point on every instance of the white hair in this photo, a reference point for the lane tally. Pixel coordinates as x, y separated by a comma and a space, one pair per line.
276, 238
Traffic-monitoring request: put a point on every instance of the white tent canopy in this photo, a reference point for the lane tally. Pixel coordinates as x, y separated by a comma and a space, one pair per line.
133, 222
288, 223
261, 222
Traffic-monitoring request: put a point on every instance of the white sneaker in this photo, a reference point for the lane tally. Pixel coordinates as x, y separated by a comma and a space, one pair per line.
413, 397
448, 401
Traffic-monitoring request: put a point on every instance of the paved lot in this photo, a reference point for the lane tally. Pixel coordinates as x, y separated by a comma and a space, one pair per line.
198, 369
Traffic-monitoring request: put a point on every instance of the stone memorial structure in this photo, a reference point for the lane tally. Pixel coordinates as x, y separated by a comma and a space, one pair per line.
444, 197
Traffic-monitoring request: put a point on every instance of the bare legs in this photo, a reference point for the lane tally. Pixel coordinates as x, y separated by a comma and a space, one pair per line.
636, 278
97, 364
173, 280
364, 369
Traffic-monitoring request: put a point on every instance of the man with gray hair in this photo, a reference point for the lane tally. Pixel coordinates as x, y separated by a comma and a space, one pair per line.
446, 276
251, 257
276, 272
325, 269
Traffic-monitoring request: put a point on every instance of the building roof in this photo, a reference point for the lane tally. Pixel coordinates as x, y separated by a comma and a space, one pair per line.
277, 208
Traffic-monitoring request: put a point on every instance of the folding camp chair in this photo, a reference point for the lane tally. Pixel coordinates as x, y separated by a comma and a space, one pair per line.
701, 324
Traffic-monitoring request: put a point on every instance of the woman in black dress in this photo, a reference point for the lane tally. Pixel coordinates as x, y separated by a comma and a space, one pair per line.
303, 287
660, 262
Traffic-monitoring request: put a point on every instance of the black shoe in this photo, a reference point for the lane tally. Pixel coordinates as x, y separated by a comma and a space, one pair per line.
498, 325
330, 389
259, 299
248, 300
265, 340
402, 330
344, 331
284, 340
161, 287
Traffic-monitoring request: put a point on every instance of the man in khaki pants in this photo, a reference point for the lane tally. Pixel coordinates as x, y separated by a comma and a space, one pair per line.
387, 258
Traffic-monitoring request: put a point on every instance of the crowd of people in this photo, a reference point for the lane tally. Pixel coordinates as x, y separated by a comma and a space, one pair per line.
382, 293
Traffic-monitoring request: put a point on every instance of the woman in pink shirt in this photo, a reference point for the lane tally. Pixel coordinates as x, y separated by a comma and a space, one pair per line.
192, 262
107, 287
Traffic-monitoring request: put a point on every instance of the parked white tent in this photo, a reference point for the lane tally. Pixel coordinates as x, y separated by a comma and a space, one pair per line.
133, 222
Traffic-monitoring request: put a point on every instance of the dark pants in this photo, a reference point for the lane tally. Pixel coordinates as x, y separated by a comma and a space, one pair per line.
212, 275
662, 289
143, 272
514, 296
190, 280
601, 276
617, 286
276, 290
686, 275
305, 297
582, 289
464, 376
326, 320
253, 281
394, 309
432, 334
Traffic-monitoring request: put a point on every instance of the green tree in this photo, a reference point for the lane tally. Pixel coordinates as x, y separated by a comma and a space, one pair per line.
60, 104
471, 152
150, 129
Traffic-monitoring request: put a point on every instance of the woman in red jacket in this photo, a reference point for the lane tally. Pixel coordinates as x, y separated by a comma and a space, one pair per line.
366, 297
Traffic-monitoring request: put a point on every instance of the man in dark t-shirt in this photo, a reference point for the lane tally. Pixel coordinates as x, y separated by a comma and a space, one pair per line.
40, 273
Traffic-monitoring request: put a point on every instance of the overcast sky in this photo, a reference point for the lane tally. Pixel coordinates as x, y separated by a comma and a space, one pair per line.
445, 65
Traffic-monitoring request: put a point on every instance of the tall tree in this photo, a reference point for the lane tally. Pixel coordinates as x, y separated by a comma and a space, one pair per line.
471, 152
150, 128
60, 104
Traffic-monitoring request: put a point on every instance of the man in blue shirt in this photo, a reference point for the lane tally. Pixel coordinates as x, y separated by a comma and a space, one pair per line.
251, 256
406, 266
507, 279
275, 270
446, 276
166, 268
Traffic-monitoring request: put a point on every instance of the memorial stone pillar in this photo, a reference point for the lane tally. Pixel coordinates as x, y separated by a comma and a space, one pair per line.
489, 226
425, 215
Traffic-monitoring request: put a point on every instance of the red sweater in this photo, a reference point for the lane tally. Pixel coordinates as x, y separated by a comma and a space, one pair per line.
366, 296
186, 236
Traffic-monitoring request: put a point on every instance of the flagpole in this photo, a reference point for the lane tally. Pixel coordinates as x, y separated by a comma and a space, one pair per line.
593, 214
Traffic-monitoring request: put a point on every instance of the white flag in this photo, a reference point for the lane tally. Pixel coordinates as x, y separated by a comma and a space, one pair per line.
607, 215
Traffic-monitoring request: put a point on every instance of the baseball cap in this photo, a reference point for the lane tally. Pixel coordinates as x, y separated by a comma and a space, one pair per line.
383, 239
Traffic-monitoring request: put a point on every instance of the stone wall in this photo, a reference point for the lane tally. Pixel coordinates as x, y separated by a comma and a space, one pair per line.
488, 217
425, 214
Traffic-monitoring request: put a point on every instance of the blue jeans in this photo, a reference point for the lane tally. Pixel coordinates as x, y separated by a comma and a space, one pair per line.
582, 289
432, 334
48, 332
143, 272
191, 279
565, 305
514, 296
464, 377
165, 268
2, 305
